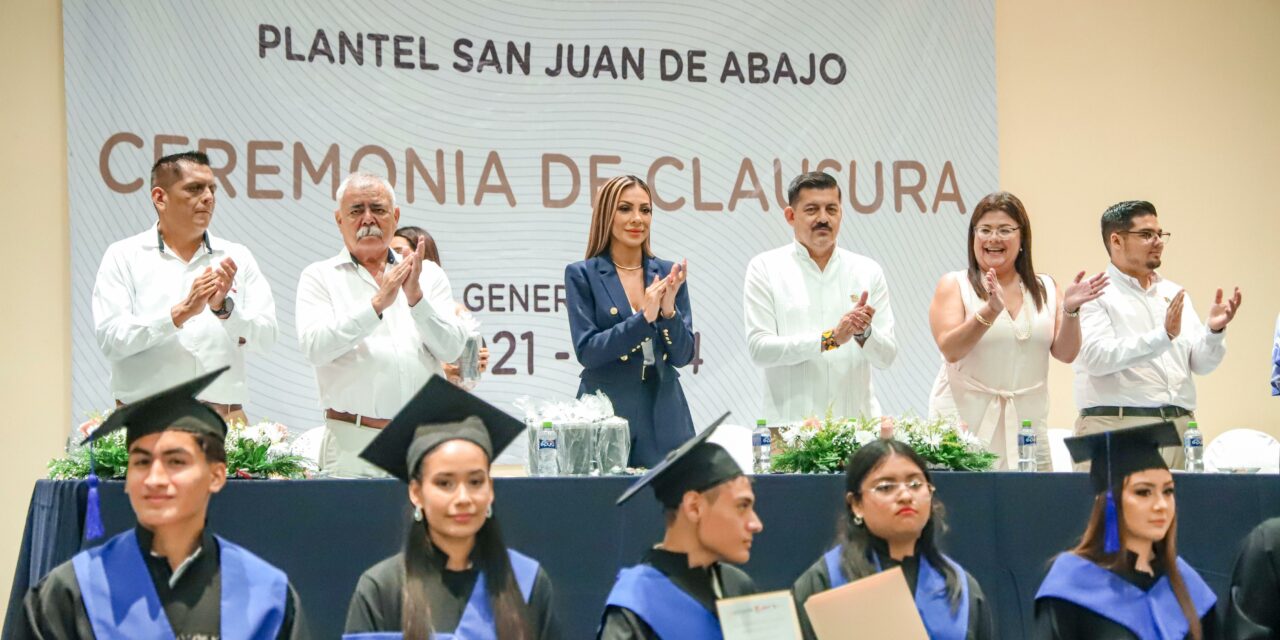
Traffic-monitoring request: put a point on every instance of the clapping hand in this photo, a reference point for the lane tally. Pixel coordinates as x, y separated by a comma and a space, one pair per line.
1081, 291
1173, 315
856, 321
653, 296
389, 283
995, 295
202, 288
225, 277
675, 280
413, 281
1221, 313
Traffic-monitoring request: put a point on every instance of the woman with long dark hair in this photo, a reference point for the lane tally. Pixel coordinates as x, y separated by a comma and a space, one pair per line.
891, 519
455, 578
996, 324
1125, 579
631, 323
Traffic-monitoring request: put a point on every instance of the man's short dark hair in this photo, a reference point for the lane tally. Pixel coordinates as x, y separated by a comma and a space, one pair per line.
811, 180
1119, 217
166, 170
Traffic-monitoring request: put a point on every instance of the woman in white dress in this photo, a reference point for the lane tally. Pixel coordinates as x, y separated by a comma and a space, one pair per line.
996, 325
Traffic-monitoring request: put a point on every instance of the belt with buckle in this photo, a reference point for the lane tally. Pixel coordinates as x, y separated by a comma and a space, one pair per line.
222, 409
356, 419
1166, 412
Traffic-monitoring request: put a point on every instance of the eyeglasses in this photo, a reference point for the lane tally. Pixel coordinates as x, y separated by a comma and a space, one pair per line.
1148, 236
1004, 233
891, 489
356, 214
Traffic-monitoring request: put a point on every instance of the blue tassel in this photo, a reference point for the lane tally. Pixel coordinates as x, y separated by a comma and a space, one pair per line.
1111, 543
92, 508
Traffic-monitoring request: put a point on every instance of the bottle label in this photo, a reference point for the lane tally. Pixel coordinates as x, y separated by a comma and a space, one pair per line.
1027, 440
1195, 441
761, 440
546, 443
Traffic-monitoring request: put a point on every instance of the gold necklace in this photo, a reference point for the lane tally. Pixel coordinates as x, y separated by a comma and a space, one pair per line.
627, 268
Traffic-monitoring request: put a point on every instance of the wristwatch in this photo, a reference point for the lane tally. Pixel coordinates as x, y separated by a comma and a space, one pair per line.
225, 312
862, 337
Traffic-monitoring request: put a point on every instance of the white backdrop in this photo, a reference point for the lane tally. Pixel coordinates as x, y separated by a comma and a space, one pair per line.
479, 152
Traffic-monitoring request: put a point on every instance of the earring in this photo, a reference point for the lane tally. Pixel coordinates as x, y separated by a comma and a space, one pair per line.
417, 514
857, 520
489, 512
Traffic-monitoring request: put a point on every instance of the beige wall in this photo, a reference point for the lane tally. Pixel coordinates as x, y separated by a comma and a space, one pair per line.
1173, 101
35, 331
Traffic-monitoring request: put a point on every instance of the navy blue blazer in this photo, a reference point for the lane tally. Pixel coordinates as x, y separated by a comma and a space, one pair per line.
608, 339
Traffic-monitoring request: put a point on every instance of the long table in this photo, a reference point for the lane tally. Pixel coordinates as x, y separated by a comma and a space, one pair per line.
1004, 529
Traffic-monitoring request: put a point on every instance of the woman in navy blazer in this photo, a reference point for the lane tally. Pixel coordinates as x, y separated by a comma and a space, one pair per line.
631, 324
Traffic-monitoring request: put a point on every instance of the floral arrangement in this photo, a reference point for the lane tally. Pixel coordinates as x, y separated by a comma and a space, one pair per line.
823, 446
253, 451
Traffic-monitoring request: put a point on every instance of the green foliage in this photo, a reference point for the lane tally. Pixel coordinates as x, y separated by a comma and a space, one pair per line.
823, 447
257, 451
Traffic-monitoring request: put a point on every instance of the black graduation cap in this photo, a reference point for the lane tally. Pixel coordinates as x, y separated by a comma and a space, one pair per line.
1116, 454
173, 408
439, 412
697, 465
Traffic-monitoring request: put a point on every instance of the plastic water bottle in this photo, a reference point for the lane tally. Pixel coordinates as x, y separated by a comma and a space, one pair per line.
1026, 447
761, 443
548, 458
1193, 449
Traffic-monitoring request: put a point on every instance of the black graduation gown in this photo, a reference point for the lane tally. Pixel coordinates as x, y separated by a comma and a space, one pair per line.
1057, 619
817, 579
54, 608
623, 624
1253, 605
377, 603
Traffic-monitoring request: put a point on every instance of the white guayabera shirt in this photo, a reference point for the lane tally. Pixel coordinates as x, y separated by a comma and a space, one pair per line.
140, 280
368, 365
788, 302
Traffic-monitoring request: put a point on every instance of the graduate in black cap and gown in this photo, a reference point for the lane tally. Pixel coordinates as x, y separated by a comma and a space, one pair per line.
1253, 606
1125, 579
710, 512
891, 519
169, 577
455, 578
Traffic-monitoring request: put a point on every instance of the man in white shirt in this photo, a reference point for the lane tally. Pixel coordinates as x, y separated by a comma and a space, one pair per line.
1142, 340
375, 326
817, 316
174, 301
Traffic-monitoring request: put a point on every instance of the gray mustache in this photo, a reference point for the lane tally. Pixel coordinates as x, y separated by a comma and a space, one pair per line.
369, 231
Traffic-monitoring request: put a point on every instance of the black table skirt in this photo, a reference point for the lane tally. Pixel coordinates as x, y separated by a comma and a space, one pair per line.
1004, 529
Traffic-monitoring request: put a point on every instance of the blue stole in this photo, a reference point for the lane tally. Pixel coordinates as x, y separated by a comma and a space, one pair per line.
1150, 615
931, 595
477, 618
667, 609
120, 599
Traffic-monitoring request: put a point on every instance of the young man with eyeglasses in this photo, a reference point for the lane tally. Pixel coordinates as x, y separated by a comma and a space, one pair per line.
374, 325
1142, 340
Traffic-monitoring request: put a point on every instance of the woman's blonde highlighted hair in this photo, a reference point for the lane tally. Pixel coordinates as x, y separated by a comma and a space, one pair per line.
605, 203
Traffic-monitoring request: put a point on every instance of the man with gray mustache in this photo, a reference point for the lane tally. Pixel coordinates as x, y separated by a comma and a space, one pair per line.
817, 316
375, 326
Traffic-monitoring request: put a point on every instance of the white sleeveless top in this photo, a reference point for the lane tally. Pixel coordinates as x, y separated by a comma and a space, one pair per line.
1004, 378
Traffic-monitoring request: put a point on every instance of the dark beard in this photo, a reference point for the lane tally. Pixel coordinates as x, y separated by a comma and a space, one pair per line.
1153, 263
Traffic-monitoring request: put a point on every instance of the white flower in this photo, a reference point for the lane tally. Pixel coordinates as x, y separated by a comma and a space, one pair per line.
970, 439
863, 437
932, 439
